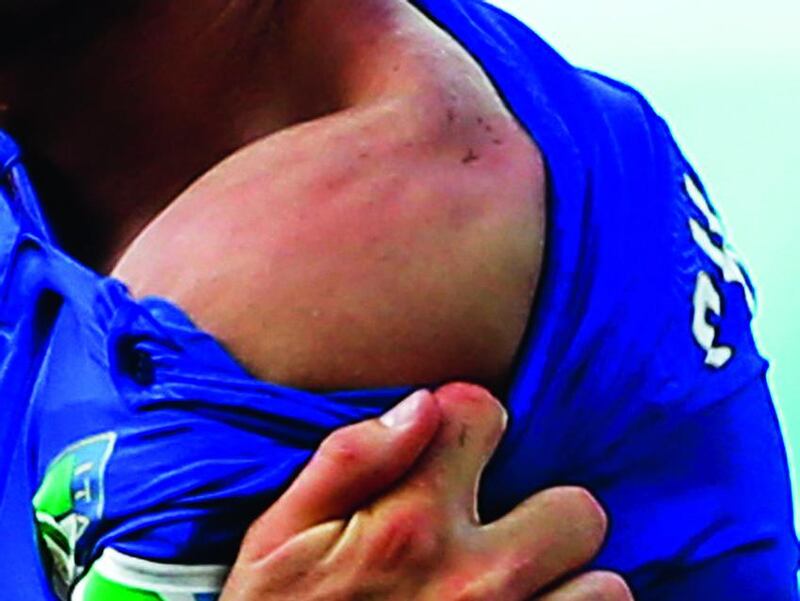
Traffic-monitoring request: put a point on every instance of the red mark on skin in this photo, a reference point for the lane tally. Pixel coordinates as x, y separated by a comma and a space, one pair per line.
398, 544
451, 115
471, 157
406, 537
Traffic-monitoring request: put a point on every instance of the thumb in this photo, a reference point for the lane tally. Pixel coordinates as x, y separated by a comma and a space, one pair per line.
351, 466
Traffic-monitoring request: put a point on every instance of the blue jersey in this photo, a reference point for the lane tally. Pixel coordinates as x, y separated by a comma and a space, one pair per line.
134, 451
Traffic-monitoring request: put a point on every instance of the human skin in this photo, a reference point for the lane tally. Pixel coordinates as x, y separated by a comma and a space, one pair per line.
375, 152
404, 230
329, 537
458, 164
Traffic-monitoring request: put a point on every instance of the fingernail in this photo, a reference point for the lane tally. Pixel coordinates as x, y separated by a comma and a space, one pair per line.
405, 413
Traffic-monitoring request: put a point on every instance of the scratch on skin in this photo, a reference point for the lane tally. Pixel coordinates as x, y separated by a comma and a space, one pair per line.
462, 437
451, 116
471, 157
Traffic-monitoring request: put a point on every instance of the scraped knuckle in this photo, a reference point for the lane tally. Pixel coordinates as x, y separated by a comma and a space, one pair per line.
407, 537
608, 586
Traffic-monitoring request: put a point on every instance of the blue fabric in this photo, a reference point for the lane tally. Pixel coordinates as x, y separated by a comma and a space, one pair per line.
612, 389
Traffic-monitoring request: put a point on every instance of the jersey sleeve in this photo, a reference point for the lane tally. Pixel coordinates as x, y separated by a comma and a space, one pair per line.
693, 468
700, 507
639, 377
692, 465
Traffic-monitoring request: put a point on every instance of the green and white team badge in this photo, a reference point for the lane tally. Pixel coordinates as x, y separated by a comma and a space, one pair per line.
70, 498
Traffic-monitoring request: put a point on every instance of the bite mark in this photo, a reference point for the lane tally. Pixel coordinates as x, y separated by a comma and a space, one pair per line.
470, 157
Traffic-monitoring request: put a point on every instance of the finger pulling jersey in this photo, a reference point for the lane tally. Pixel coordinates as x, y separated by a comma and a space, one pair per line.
135, 452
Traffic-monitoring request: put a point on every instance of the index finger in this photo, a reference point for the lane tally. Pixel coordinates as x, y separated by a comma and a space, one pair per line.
350, 467
449, 471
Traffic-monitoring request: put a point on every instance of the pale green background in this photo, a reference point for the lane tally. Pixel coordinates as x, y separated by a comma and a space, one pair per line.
726, 75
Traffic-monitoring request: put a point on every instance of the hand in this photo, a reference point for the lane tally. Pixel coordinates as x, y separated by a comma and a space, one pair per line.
422, 539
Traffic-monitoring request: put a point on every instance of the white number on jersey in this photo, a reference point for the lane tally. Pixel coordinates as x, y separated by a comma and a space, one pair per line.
707, 298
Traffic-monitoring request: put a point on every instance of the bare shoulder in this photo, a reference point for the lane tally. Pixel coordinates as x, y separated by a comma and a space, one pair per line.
397, 241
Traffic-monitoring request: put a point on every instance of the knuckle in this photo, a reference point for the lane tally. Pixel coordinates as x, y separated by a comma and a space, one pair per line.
608, 586
407, 536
